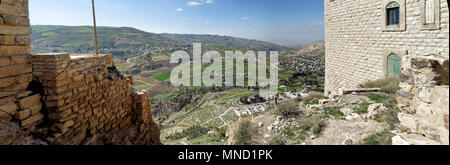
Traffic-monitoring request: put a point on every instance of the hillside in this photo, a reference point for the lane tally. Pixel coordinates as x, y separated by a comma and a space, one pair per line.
302, 45
130, 42
219, 42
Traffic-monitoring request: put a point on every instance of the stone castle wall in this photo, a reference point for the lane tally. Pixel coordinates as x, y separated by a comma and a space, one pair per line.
64, 99
17, 103
358, 42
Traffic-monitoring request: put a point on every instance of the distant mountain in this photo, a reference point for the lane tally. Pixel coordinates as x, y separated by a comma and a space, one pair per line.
303, 44
225, 41
315, 49
129, 42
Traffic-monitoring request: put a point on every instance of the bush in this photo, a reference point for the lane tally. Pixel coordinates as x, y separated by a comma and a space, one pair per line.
277, 140
245, 133
288, 109
388, 85
219, 136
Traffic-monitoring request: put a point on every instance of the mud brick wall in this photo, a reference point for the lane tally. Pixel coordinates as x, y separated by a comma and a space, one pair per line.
85, 97
424, 101
17, 103
358, 42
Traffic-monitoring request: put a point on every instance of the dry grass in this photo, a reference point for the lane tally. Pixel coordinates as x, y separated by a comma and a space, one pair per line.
388, 85
314, 123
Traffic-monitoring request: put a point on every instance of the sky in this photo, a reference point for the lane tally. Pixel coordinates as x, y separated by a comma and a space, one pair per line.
277, 21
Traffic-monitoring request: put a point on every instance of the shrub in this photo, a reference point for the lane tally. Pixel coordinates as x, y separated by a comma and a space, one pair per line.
277, 140
288, 109
388, 85
245, 133
219, 136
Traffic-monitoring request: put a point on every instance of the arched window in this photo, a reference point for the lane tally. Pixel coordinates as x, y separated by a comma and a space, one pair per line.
394, 65
393, 13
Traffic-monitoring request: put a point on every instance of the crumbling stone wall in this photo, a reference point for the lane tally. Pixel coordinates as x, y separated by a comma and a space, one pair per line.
424, 101
87, 99
358, 43
17, 103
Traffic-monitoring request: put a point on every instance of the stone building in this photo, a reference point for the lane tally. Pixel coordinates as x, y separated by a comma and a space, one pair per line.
65, 98
368, 40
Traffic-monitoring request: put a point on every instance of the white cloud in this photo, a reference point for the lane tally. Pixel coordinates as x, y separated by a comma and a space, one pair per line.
207, 21
199, 3
245, 18
233, 21
179, 10
193, 3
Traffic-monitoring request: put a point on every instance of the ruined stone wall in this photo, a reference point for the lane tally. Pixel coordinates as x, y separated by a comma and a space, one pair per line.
17, 104
358, 42
424, 101
86, 100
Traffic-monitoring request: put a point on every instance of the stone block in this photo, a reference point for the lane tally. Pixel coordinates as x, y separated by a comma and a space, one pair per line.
35, 109
15, 70
5, 100
23, 114
9, 108
10, 20
408, 121
32, 119
14, 50
28, 102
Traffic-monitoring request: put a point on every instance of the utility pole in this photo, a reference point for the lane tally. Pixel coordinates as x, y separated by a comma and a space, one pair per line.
95, 28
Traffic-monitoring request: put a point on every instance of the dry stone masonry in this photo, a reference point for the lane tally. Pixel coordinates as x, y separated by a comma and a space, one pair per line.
360, 40
62, 98
424, 99
17, 103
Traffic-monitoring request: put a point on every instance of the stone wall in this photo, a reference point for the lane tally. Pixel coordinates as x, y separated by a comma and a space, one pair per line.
17, 103
86, 99
424, 101
358, 43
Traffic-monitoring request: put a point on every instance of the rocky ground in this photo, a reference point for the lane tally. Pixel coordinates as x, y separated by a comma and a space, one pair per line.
364, 118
